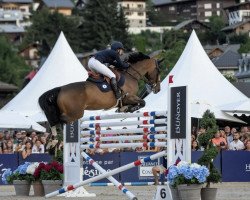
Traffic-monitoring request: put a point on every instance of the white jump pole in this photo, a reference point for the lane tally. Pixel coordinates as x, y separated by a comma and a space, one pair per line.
122, 131
107, 174
123, 145
124, 138
110, 178
124, 123
125, 115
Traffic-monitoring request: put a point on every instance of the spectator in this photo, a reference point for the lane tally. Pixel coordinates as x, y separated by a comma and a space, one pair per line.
219, 141
195, 146
159, 169
1, 141
33, 135
228, 134
38, 147
46, 135
18, 142
236, 144
27, 149
7, 136
8, 147
248, 145
223, 134
43, 141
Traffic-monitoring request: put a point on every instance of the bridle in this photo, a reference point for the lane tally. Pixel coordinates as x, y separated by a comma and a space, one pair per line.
145, 77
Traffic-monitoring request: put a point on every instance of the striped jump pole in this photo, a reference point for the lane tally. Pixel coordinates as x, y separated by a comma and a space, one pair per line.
122, 131
124, 138
125, 115
107, 174
110, 178
123, 145
124, 123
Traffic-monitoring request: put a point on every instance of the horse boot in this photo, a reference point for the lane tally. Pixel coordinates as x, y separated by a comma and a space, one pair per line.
115, 88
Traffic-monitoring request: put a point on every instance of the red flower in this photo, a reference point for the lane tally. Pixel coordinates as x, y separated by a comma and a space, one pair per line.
41, 166
60, 168
54, 164
48, 167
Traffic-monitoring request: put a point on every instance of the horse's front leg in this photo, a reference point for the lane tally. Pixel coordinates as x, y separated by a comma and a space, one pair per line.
133, 103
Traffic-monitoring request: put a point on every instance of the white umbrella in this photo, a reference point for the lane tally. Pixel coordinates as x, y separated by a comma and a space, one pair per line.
239, 107
198, 109
15, 120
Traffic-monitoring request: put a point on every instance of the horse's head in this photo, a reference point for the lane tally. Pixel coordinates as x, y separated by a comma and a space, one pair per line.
154, 77
147, 68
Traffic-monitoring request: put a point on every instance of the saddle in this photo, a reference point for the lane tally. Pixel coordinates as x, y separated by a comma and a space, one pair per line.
103, 82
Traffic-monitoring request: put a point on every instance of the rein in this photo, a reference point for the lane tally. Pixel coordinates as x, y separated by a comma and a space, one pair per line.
145, 79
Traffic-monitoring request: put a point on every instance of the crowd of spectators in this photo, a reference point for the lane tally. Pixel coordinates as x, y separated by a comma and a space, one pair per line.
25, 143
225, 139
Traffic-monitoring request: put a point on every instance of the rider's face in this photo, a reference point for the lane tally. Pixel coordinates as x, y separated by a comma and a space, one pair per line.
120, 51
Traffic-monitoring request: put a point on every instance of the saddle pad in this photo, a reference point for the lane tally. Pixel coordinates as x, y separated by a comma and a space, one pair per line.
104, 86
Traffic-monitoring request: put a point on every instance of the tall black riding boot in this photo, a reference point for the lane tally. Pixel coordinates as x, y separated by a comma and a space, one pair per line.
115, 88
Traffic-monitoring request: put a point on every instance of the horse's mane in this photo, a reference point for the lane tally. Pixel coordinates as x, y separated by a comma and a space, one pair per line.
137, 56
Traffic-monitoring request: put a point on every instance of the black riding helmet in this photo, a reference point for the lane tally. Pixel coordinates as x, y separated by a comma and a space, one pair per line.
117, 45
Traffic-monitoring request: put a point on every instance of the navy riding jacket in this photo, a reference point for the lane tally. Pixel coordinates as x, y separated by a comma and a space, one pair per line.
111, 57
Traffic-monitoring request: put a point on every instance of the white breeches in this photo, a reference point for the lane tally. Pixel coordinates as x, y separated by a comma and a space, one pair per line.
97, 66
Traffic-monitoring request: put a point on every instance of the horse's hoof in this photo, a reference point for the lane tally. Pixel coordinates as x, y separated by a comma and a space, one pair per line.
123, 109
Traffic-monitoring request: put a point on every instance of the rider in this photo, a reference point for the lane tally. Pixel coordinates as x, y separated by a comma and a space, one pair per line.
111, 57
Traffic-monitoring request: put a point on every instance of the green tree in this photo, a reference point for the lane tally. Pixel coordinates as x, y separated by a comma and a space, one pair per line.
47, 26
12, 66
245, 47
146, 41
103, 23
120, 32
170, 37
215, 35
208, 122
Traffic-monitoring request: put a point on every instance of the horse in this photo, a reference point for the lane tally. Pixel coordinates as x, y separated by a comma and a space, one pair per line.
67, 103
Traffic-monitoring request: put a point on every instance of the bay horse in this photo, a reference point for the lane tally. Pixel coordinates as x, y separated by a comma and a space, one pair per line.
67, 103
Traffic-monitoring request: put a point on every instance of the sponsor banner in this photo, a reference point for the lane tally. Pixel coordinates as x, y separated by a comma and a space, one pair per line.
35, 157
107, 161
7, 161
142, 173
72, 132
235, 166
195, 155
178, 110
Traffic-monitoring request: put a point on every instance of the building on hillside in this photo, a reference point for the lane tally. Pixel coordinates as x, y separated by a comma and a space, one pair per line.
238, 12
135, 12
171, 11
238, 28
192, 24
181, 10
208, 8
25, 6
61, 6
227, 62
30, 55
244, 87
214, 51
15, 33
10, 16
243, 74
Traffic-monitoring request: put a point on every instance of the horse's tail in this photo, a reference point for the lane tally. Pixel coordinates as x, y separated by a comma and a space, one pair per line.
48, 103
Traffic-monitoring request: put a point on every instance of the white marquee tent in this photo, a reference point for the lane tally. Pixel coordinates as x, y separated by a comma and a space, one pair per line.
61, 67
13, 120
207, 87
